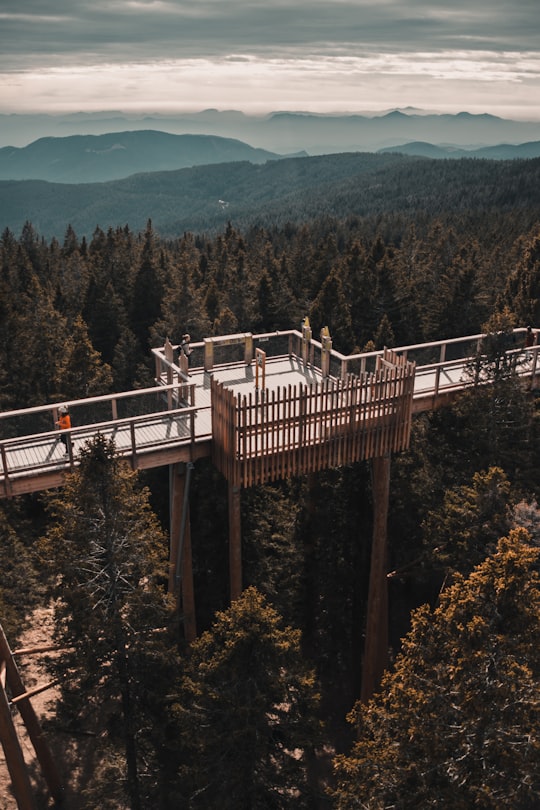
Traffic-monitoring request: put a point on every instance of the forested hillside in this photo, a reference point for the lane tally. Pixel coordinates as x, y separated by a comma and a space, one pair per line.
96, 158
205, 198
384, 250
503, 151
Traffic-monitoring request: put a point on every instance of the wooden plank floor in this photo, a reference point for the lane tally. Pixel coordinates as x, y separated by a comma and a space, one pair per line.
49, 452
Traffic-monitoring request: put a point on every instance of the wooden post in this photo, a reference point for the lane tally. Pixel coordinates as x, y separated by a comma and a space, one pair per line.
306, 340
248, 349
169, 356
208, 354
326, 347
260, 363
13, 758
376, 645
180, 560
235, 542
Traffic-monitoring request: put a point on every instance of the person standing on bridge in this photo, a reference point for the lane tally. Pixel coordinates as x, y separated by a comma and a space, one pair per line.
530, 340
64, 423
185, 351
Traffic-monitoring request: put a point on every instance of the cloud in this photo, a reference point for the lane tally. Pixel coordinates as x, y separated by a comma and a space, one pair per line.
285, 54
45, 33
453, 80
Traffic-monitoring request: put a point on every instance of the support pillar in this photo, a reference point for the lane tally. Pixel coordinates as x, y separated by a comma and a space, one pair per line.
376, 645
180, 559
14, 757
235, 542
10, 742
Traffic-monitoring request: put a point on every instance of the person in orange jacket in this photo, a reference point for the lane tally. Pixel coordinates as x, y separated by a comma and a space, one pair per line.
64, 423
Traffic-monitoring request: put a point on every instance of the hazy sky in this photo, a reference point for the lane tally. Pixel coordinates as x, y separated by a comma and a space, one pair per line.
331, 55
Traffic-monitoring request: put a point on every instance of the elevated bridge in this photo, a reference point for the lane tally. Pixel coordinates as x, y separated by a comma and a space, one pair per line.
261, 406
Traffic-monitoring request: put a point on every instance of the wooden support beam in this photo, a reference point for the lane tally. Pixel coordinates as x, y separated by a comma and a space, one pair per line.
43, 753
176, 497
187, 591
36, 690
376, 644
180, 560
14, 758
39, 649
235, 542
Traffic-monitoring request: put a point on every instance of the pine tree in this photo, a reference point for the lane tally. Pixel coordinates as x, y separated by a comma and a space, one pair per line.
493, 424
19, 589
523, 285
106, 553
331, 308
40, 334
148, 290
473, 516
245, 710
456, 724
82, 373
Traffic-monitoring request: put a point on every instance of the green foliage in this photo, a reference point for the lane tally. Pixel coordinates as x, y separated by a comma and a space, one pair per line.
272, 558
494, 426
82, 372
106, 554
147, 290
472, 518
456, 723
523, 285
244, 711
20, 589
332, 309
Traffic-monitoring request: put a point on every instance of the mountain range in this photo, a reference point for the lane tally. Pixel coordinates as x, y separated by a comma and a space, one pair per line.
503, 151
287, 132
97, 158
101, 158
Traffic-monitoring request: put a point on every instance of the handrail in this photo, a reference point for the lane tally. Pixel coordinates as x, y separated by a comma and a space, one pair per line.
362, 356
85, 431
97, 427
74, 403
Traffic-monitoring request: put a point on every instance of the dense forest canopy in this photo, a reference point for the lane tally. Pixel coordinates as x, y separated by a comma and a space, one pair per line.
78, 317
299, 189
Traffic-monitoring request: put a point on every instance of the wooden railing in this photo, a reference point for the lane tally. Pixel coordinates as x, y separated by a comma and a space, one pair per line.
295, 430
157, 426
438, 360
103, 408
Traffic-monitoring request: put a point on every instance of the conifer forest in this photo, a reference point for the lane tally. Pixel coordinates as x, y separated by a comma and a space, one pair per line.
263, 710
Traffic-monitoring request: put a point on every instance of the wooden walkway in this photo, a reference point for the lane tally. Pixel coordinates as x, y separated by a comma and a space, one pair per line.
172, 422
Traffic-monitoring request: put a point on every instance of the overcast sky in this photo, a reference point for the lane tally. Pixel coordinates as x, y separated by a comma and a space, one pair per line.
320, 55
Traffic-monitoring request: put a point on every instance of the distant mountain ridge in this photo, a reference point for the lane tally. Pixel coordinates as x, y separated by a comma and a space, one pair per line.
98, 158
502, 151
115, 155
287, 132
